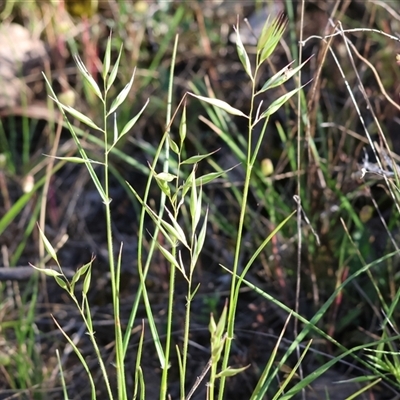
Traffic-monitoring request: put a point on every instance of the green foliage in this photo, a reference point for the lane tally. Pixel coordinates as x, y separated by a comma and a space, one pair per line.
175, 226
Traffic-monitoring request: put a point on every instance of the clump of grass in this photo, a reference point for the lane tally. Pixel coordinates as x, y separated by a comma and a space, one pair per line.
182, 198
178, 197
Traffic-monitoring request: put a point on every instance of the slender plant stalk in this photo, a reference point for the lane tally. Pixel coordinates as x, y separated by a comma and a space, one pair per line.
92, 337
164, 377
187, 327
185, 341
143, 270
243, 209
211, 385
299, 215
183, 361
119, 353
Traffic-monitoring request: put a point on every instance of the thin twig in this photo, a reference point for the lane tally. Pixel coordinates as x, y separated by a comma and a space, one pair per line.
299, 157
24, 273
199, 379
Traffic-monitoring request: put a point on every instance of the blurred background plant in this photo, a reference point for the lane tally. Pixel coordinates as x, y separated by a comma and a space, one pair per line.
345, 119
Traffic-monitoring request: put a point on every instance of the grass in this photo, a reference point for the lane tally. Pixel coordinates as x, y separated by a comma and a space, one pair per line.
235, 255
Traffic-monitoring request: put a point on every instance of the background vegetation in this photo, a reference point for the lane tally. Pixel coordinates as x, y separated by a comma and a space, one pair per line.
257, 260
